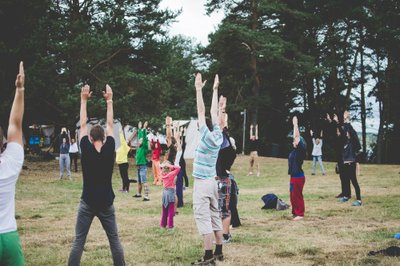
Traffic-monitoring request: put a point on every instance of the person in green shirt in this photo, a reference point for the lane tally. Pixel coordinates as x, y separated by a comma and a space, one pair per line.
141, 161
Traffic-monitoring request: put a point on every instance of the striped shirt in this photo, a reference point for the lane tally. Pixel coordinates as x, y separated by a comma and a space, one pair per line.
206, 154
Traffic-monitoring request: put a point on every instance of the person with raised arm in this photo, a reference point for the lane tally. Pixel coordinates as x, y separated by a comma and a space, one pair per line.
317, 152
74, 151
141, 161
297, 178
65, 160
226, 158
97, 167
254, 147
122, 160
205, 188
11, 161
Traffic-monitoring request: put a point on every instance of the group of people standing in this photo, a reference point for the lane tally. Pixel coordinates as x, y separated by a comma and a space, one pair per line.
213, 206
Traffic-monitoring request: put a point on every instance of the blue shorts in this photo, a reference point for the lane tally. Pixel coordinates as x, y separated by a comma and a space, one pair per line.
142, 173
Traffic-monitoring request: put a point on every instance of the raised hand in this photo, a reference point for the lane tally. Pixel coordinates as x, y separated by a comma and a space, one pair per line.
108, 94
295, 121
222, 103
85, 92
216, 82
335, 118
198, 83
20, 81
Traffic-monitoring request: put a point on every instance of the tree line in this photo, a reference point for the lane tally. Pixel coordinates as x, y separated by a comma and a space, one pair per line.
273, 57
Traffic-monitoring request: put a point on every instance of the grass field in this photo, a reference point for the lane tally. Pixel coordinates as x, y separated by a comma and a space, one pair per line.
332, 233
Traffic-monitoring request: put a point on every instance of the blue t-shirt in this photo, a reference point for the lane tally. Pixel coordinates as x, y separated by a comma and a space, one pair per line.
296, 158
206, 154
97, 169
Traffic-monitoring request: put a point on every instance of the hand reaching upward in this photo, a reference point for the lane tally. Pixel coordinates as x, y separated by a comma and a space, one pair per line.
108, 94
85, 92
198, 83
20, 81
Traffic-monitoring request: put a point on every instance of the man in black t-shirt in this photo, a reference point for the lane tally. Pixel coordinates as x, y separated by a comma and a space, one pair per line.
97, 196
254, 143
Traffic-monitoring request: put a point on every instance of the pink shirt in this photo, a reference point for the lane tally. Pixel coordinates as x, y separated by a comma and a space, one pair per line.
168, 179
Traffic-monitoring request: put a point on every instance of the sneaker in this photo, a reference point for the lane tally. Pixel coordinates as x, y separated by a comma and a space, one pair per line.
339, 196
298, 218
219, 257
343, 199
137, 196
122, 190
146, 199
357, 203
313, 174
204, 262
227, 241
132, 180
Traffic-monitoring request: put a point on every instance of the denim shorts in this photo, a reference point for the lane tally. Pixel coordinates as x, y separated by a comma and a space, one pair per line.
142, 173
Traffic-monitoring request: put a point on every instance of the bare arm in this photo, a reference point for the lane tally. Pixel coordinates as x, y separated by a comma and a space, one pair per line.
296, 132
221, 111
256, 131
168, 127
85, 95
14, 133
108, 94
201, 113
215, 114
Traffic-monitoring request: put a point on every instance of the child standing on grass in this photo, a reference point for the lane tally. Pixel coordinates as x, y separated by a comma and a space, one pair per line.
168, 175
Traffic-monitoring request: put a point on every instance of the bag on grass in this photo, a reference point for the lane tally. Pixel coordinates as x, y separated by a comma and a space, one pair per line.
281, 205
270, 201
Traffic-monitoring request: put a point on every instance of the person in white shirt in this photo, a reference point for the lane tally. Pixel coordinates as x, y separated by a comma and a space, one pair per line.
317, 152
74, 151
11, 161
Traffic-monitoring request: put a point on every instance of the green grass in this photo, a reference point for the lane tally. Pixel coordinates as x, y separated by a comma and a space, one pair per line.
332, 233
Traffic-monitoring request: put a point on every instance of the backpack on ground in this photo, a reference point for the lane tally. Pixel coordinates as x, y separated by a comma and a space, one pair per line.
271, 201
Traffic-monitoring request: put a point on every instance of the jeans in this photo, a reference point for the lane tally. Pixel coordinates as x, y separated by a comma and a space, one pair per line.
64, 159
142, 173
319, 158
83, 222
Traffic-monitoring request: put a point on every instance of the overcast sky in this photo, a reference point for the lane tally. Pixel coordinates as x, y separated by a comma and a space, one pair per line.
193, 21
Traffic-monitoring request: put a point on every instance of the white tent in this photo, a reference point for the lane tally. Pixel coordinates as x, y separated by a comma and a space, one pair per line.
192, 139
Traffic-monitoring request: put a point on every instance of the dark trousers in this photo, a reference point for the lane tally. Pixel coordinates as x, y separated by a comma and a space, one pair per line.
182, 164
83, 222
123, 171
348, 171
179, 188
74, 159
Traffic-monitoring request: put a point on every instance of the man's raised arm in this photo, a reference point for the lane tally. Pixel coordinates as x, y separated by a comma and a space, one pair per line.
201, 112
85, 95
14, 133
108, 94
214, 102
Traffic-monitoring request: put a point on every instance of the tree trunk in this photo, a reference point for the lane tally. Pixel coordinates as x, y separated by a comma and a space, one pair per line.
362, 98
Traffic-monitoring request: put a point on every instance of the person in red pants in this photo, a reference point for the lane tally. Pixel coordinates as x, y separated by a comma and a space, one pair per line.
297, 178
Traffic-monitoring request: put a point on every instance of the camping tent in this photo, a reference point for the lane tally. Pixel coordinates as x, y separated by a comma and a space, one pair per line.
192, 139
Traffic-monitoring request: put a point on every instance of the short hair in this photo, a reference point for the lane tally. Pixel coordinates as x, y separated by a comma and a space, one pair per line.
97, 133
